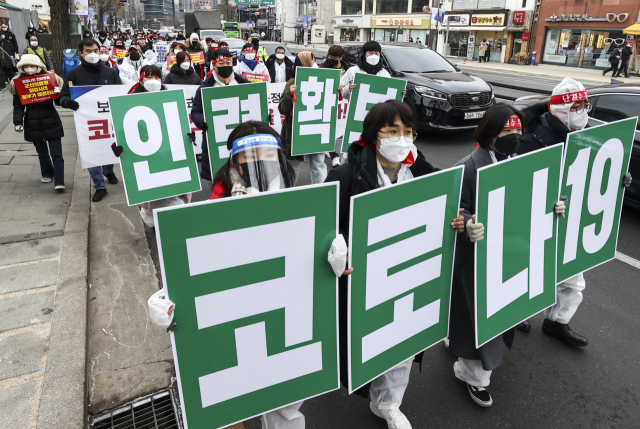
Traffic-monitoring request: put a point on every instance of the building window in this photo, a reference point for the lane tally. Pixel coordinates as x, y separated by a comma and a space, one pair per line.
368, 6
478, 4
392, 6
351, 7
418, 5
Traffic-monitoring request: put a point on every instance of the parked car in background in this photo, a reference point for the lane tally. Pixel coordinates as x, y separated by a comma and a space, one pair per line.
442, 96
610, 103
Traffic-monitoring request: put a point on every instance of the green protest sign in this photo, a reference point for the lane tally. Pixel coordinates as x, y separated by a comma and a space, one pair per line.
227, 107
256, 301
315, 110
516, 261
402, 249
369, 90
596, 160
158, 159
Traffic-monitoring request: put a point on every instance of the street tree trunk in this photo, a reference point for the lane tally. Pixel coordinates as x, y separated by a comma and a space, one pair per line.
60, 31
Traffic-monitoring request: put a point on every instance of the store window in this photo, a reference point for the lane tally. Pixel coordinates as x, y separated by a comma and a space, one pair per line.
420, 36
351, 7
368, 6
601, 44
614, 107
379, 35
392, 6
418, 5
458, 43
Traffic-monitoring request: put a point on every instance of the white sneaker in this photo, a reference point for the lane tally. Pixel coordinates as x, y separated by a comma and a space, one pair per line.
335, 162
446, 342
59, 187
395, 419
46, 179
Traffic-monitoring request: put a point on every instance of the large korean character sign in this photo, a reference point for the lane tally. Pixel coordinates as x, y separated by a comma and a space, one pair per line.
158, 160
369, 90
227, 107
94, 128
315, 110
595, 162
516, 261
401, 248
256, 302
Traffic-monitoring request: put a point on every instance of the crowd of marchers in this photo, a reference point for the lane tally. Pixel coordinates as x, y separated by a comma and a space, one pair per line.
385, 155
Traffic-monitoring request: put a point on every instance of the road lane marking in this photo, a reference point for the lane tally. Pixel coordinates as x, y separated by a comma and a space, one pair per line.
628, 260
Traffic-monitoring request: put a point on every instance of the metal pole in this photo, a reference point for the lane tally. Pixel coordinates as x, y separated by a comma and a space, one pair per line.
282, 20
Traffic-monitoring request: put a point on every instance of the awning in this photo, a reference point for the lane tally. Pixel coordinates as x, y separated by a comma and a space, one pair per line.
11, 7
44, 17
634, 29
4, 13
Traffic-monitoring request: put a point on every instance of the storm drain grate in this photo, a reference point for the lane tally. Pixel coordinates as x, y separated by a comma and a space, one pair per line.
155, 411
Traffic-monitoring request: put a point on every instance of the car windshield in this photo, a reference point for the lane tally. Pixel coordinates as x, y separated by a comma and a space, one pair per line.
271, 49
235, 43
416, 60
211, 33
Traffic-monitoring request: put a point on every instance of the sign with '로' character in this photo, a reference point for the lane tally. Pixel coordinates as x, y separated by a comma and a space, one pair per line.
33, 89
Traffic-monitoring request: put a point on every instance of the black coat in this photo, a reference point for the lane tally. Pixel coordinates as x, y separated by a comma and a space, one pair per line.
462, 339
625, 54
358, 176
40, 120
88, 74
197, 116
614, 56
270, 63
10, 45
542, 129
177, 76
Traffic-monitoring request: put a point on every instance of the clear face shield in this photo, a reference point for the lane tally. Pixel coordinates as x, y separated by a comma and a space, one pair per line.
258, 164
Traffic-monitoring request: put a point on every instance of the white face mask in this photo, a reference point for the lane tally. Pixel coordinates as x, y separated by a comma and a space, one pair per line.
104, 57
578, 121
176, 50
5, 28
280, 56
92, 58
395, 151
250, 56
152, 85
373, 59
185, 65
31, 70
34, 44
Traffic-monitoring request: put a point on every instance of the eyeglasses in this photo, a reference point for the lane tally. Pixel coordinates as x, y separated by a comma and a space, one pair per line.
616, 41
394, 135
579, 109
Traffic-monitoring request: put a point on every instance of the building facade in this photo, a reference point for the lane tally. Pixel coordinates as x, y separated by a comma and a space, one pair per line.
575, 33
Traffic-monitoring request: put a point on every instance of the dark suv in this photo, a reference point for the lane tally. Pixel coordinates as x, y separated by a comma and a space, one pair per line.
442, 96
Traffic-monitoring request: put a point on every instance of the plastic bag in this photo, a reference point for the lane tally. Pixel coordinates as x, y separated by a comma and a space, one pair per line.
338, 255
159, 307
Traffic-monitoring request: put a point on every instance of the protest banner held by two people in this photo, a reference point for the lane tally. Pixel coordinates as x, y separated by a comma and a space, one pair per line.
400, 288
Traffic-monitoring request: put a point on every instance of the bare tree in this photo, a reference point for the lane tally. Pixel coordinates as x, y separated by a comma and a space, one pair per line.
227, 9
60, 30
101, 8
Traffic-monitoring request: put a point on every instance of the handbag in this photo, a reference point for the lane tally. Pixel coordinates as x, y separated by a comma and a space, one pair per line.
13, 60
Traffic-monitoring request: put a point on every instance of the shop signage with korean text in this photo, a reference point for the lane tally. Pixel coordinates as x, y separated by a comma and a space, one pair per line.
488, 19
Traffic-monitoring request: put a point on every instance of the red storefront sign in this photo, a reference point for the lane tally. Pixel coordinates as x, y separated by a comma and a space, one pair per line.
518, 18
32, 89
525, 36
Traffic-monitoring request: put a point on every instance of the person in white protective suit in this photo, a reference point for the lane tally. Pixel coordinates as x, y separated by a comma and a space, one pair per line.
384, 155
131, 66
548, 124
249, 63
150, 81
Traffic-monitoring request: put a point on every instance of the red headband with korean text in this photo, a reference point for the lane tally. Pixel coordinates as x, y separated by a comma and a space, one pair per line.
513, 123
220, 58
571, 97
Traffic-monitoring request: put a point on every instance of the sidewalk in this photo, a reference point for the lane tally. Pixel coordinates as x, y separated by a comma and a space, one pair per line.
43, 268
547, 70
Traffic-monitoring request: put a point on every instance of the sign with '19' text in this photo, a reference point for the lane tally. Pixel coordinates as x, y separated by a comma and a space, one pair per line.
158, 160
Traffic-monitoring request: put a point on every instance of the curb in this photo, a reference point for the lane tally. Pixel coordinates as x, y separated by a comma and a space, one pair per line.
63, 401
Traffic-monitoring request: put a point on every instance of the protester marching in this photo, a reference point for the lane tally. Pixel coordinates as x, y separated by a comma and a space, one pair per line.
275, 293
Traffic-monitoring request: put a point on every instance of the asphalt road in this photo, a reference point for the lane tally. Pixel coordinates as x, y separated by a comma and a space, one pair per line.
542, 382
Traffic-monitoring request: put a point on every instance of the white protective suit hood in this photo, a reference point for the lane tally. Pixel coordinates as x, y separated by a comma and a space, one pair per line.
563, 96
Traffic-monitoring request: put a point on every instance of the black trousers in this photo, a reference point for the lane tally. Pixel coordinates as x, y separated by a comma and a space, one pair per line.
613, 67
6, 73
623, 67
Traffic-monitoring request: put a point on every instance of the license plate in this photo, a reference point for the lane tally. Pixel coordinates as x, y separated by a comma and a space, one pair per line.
473, 115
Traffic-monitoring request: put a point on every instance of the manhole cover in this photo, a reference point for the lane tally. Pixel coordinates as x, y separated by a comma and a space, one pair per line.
155, 411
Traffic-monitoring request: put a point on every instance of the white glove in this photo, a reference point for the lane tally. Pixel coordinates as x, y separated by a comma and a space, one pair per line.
560, 208
17, 56
338, 255
19, 128
475, 230
159, 307
56, 89
626, 180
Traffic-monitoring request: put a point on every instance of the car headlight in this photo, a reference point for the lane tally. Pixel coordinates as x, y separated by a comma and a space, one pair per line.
424, 91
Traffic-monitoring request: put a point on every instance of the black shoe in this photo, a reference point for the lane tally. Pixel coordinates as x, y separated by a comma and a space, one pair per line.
563, 332
480, 395
524, 326
111, 177
99, 195
603, 73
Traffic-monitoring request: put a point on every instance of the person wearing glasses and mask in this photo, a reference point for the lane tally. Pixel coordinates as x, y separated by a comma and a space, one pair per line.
42, 53
280, 67
368, 62
567, 111
221, 75
384, 155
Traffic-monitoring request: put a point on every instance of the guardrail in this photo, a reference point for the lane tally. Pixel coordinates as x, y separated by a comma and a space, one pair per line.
517, 88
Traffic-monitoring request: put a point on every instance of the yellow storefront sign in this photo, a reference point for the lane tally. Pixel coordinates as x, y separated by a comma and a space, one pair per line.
488, 19
397, 21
